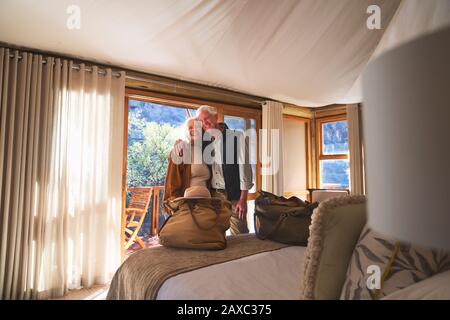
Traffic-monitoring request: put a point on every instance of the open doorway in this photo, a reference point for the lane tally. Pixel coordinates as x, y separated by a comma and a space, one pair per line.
152, 131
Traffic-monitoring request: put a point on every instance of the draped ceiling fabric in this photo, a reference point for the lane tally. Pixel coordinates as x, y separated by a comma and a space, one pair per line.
414, 18
305, 52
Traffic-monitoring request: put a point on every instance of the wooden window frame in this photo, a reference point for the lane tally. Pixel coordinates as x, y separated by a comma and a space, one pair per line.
319, 146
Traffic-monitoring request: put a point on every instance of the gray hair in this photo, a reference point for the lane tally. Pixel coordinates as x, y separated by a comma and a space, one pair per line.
205, 108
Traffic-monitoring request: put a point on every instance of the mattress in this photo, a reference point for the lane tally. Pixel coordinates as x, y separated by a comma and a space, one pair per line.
264, 276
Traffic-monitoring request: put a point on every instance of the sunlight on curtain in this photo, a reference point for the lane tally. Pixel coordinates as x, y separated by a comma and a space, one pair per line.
63, 142
271, 146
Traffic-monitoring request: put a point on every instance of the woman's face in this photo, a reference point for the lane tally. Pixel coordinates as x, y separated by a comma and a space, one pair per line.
195, 130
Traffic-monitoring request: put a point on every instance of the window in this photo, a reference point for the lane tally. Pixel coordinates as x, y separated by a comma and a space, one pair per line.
333, 165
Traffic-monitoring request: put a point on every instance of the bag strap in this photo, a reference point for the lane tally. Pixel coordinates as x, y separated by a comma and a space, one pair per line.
216, 205
167, 205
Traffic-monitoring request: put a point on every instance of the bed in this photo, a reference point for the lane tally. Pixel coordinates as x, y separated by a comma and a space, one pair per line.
249, 268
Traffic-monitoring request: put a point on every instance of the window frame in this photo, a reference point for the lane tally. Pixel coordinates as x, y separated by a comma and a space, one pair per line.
319, 146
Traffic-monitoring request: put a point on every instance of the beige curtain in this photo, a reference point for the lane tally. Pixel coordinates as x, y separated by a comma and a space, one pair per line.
272, 147
60, 175
355, 149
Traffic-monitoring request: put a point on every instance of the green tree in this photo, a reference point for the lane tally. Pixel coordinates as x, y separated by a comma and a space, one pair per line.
148, 158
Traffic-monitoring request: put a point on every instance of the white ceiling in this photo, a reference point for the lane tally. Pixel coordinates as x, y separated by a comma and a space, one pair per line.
306, 52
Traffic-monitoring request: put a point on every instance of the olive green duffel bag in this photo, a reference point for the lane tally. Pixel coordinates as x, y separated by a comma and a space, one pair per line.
196, 224
277, 219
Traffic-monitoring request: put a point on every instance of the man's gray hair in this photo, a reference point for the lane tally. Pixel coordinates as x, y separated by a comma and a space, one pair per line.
205, 108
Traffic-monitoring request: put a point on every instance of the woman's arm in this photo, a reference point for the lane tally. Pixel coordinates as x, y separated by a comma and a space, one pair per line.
173, 185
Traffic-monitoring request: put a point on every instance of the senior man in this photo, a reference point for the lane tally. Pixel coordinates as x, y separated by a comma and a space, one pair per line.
231, 175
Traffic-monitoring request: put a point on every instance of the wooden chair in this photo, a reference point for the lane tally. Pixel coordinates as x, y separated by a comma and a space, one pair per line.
135, 214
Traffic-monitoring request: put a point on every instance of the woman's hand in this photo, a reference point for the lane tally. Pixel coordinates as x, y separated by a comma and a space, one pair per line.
178, 147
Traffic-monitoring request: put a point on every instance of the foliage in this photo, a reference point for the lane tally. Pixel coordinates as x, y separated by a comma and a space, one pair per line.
153, 112
148, 158
152, 131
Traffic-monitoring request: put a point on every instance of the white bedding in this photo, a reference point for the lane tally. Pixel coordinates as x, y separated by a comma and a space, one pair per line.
268, 275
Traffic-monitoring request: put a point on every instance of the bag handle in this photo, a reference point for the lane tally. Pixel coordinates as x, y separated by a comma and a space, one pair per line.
216, 205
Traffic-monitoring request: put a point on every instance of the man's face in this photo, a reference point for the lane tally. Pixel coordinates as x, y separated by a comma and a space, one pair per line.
208, 120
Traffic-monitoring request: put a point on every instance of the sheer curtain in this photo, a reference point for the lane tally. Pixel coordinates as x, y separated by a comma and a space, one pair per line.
60, 175
272, 148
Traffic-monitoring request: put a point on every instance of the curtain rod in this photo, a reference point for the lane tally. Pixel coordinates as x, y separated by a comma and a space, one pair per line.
76, 66
182, 85
143, 76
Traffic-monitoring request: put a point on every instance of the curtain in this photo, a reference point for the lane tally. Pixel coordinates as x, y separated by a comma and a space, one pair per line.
272, 148
355, 149
60, 175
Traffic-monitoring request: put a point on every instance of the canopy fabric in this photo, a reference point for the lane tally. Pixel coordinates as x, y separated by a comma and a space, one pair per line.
414, 18
305, 52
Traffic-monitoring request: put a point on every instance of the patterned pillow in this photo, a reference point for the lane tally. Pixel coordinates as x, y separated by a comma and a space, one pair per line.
399, 264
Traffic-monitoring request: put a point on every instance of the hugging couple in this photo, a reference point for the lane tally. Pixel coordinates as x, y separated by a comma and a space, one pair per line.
209, 164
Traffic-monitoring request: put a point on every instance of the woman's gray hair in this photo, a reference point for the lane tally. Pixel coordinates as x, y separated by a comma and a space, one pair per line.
211, 110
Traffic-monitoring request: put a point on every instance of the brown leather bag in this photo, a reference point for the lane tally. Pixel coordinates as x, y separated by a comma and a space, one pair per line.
283, 220
196, 224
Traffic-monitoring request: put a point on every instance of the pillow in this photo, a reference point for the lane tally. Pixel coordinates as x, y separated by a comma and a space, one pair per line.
335, 228
400, 265
435, 288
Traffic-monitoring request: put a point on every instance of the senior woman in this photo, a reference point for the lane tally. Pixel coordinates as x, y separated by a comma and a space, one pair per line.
189, 169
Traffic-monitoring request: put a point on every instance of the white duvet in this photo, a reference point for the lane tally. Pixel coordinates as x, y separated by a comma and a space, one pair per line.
268, 275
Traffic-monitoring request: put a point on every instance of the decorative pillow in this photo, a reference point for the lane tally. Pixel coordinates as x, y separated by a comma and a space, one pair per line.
335, 228
387, 265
